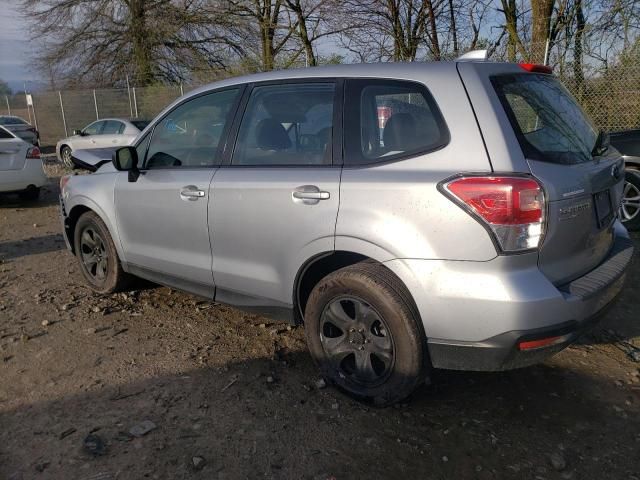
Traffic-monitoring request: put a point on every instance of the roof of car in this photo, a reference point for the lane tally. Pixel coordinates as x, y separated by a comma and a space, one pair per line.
406, 70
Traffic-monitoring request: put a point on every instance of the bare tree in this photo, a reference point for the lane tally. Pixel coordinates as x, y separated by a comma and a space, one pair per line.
265, 27
395, 30
102, 41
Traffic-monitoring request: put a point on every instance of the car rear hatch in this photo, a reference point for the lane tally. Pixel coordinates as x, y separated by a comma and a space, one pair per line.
13, 154
581, 175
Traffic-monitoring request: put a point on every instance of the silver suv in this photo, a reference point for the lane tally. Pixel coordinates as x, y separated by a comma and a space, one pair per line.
456, 215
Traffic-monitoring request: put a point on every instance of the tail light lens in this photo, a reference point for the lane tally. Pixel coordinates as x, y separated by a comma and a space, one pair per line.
511, 207
33, 152
63, 181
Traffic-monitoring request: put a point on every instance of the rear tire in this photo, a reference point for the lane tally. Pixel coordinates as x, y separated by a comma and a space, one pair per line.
97, 255
630, 209
364, 334
31, 193
65, 155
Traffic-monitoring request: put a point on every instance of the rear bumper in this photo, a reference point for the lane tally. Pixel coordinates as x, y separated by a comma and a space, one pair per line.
475, 314
17, 180
502, 353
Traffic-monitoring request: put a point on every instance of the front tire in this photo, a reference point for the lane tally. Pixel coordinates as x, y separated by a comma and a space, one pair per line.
630, 208
97, 255
65, 155
364, 334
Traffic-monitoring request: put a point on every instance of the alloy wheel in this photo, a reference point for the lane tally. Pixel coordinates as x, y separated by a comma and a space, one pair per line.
66, 157
93, 252
357, 341
630, 206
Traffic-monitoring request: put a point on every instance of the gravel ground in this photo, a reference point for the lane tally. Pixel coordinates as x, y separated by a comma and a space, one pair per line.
155, 383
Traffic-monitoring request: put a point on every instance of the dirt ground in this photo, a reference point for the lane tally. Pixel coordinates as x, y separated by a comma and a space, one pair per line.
229, 395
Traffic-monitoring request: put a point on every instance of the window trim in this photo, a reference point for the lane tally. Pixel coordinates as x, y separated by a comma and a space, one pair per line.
353, 128
222, 145
336, 135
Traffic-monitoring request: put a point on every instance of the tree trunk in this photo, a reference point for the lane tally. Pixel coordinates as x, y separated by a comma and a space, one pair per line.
143, 73
541, 11
578, 73
433, 30
514, 45
454, 29
304, 34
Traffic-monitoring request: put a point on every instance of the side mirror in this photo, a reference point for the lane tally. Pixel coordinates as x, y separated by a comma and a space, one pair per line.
78, 132
125, 159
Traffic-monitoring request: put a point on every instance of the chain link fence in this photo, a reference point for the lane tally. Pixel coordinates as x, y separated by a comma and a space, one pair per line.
612, 99
57, 114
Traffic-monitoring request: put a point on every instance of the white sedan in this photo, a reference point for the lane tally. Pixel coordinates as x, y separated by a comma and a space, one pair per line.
20, 166
107, 132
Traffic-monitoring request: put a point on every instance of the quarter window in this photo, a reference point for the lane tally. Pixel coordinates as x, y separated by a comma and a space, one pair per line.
288, 124
190, 135
390, 119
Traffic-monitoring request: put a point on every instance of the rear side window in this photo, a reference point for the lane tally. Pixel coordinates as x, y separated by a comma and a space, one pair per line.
548, 122
4, 133
390, 119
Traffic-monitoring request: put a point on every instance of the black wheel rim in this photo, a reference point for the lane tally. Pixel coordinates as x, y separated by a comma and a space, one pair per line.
357, 341
93, 252
630, 207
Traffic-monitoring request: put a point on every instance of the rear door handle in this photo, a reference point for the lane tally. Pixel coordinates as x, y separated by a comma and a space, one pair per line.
191, 192
312, 195
309, 194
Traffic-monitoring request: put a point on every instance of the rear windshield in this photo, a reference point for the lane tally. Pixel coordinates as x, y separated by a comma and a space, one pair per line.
140, 124
12, 121
548, 122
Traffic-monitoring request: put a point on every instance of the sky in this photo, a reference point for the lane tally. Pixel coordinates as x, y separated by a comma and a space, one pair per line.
15, 51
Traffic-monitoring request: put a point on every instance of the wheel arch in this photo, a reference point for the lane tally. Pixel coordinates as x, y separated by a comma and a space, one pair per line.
321, 265
71, 221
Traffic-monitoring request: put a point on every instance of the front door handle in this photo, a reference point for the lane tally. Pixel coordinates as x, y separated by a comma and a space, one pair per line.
309, 195
191, 192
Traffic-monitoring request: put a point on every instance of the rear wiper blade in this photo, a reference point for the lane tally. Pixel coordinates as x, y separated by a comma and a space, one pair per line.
601, 145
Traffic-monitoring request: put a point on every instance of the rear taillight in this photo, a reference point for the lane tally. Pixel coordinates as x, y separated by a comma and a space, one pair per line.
33, 152
511, 207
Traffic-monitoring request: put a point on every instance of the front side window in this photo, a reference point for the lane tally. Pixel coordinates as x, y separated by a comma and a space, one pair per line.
548, 122
94, 129
112, 127
390, 119
288, 124
189, 136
